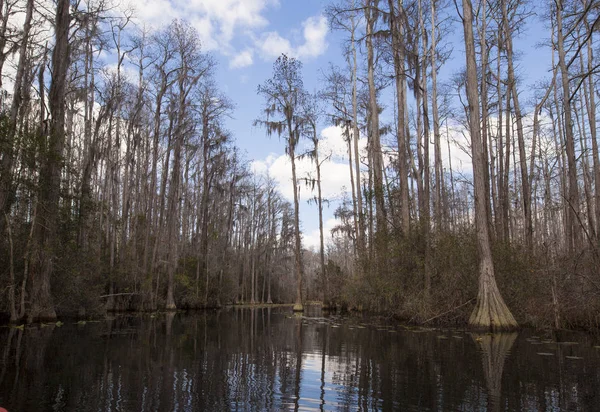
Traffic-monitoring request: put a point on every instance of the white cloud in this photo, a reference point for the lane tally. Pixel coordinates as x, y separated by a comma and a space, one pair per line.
128, 72
206, 31
312, 239
315, 31
153, 12
272, 44
217, 21
242, 59
460, 149
259, 167
335, 175
332, 142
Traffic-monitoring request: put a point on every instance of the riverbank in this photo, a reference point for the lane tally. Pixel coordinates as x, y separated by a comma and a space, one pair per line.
453, 318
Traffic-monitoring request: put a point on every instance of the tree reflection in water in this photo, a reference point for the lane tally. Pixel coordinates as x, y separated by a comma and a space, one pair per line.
494, 349
267, 359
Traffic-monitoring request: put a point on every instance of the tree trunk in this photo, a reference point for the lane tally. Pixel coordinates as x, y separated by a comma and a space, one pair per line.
42, 305
573, 236
490, 311
375, 143
440, 206
320, 204
512, 84
8, 157
360, 234
298, 307
591, 111
397, 29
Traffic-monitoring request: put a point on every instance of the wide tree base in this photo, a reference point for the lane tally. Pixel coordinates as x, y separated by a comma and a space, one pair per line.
490, 312
298, 307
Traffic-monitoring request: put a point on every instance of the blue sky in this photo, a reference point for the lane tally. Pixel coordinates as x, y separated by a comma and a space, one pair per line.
246, 36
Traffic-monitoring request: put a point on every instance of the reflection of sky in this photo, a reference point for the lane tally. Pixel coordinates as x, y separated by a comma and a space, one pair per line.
242, 360
317, 389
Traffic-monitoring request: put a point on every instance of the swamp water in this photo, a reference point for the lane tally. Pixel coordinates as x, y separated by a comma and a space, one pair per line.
270, 359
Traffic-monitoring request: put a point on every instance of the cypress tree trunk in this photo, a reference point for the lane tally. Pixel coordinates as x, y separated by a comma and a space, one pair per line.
490, 312
44, 238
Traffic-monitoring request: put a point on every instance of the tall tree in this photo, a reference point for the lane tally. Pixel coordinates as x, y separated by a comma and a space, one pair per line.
371, 16
44, 247
572, 197
398, 26
284, 95
490, 311
512, 84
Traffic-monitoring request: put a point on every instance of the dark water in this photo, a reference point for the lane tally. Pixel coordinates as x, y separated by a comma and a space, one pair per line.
267, 359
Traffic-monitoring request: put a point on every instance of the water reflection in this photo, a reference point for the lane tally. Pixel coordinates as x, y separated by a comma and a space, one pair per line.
269, 359
494, 349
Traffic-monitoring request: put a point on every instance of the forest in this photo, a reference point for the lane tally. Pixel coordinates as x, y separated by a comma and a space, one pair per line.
125, 192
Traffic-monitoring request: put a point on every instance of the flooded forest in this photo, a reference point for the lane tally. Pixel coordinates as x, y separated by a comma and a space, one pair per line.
122, 188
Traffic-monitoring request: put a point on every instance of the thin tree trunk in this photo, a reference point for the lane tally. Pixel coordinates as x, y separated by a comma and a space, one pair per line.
360, 229
440, 206
512, 84
11, 271
573, 238
320, 204
591, 111
375, 143
396, 28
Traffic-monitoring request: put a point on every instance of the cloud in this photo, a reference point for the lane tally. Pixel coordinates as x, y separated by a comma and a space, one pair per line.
272, 44
217, 21
335, 174
459, 150
259, 167
315, 31
128, 72
333, 143
311, 240
242, 59
335, 177
153, 12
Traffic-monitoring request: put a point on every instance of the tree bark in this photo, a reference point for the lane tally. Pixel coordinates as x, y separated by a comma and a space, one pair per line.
490, 312
41, 268
398, 50
375, 143
512, 84
574, 229
8, 157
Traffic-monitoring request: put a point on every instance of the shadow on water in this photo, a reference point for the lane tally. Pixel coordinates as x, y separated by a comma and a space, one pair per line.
270, 359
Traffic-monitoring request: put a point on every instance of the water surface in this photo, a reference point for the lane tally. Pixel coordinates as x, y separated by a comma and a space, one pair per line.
269, 359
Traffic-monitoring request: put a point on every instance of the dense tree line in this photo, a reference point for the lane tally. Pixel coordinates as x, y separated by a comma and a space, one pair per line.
430, 243
122, 189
